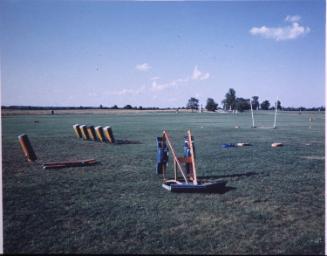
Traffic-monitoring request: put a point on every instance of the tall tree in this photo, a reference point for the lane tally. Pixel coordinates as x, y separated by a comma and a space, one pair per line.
242, 104
230, 99
265, 105
211, 104
128, 107
192, 103
279, 105
255, 102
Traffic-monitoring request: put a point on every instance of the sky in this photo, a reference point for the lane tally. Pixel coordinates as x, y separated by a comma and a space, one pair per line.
159, 54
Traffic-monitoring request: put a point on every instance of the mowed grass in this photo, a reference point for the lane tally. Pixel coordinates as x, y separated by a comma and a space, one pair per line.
274, 205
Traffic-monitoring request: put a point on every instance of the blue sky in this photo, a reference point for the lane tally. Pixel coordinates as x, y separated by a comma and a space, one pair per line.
73, 53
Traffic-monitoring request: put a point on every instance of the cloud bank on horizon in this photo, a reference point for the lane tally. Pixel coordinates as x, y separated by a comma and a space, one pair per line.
289, 32
156, 86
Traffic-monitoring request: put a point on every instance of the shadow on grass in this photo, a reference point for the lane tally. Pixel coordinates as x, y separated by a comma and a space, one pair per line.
246, 174
122, 142
59, 164
222, 190
62, 166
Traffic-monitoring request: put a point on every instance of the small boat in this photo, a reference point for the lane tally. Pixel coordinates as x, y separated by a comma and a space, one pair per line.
175, 186
190, 182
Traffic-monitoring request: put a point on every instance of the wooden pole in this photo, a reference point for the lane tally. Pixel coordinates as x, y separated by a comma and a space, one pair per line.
174, 162
109, 134
165, 133
275, 118
55, 165
195, 180
77, 130
85, 134
91, 132
100, 134
27, 148
252, 114
175, 170
164, 167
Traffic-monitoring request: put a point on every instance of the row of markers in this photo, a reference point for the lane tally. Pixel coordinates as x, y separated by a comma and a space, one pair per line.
98, 133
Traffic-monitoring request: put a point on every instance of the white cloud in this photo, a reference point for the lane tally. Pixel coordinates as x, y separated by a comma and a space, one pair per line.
198, 75
157, 86
143, 67
295, 18
282, 33
172, 84
205, 76
181, 80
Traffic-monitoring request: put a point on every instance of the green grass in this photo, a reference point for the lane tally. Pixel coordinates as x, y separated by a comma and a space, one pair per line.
275, 206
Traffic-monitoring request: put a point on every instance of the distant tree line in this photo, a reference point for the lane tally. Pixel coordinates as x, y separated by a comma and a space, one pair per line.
232, 103
68, 108
128, 106
45, 108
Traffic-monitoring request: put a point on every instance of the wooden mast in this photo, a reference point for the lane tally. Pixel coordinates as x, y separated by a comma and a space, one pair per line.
195, 181
166, 136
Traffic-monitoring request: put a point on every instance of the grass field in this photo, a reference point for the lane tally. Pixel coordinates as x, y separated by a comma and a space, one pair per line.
274, 205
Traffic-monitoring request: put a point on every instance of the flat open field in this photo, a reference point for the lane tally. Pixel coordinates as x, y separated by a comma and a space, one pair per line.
274, 203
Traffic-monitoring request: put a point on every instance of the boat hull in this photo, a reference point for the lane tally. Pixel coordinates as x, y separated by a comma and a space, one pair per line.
201, 187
